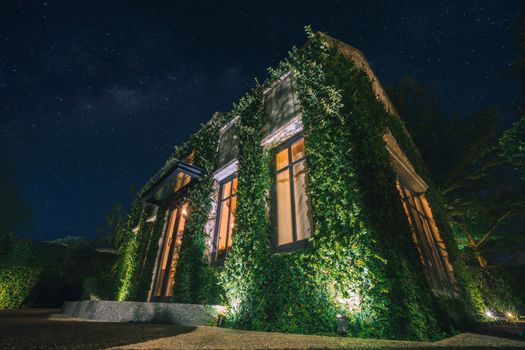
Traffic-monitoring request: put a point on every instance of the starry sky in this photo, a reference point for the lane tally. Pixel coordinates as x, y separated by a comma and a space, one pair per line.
94, 95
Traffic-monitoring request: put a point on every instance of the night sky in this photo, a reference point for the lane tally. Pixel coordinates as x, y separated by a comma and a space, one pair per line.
94, 96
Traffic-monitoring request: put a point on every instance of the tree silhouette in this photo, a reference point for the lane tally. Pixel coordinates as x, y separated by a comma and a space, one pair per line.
14, 211
483, 194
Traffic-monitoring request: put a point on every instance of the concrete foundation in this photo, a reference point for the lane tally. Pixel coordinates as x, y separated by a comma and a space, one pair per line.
132, 311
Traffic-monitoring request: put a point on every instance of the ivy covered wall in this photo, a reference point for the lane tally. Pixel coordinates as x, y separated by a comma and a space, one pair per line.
196, 281
361, 262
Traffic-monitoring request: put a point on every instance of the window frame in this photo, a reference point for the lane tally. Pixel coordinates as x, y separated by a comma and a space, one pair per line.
431, 249
295, 244
164, 286
216, 231
421, 223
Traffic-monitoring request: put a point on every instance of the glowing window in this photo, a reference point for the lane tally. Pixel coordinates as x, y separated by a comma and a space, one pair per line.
292, 212
169, 256
226, 217
176, 250
168, 241
182, 180
425, 233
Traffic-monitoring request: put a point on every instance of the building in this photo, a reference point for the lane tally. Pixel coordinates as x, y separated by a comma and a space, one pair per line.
306, 205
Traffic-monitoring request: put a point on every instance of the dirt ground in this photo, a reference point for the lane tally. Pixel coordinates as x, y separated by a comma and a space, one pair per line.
35, 329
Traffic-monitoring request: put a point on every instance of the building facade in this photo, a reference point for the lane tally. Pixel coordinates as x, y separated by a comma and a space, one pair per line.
305, 205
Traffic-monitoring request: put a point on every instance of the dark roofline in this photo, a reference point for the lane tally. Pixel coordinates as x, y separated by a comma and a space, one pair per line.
167, 169
351, 52
165, 173
172, 171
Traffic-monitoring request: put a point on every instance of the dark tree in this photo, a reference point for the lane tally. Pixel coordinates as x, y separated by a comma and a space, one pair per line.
483, 194
111, 232
14, 211
513, 145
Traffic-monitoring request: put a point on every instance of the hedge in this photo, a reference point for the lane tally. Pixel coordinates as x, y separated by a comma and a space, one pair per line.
38, 274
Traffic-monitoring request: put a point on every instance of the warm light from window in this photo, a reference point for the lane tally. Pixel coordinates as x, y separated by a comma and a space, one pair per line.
226, 217
292, 209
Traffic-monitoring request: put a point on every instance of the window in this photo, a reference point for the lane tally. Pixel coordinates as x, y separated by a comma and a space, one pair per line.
280, 105
226, 217
291, 214
169, 255
425, 233
183, 178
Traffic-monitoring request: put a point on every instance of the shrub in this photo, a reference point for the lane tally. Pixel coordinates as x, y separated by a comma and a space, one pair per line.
37, 274
100, 287
17, 275
498, 289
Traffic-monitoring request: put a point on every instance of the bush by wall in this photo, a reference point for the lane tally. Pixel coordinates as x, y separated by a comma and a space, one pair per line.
37, 274
18, 275
501, 287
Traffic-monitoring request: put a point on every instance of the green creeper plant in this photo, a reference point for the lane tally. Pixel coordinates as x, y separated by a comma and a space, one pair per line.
360, 262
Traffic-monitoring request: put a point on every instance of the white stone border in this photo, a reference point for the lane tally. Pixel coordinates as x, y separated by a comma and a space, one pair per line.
133, 311
293, 127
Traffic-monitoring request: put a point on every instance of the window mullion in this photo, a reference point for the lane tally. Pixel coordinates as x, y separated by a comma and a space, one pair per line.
292, 194
435, 249
165, 283
228, 228
218, 221
298, 161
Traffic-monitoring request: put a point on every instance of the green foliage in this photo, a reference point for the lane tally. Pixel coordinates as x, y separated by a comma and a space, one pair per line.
357, 265
496, 286
512, 144
129, 252
72, 241
148, 243
344, 247
195, 280
482, 195
361, 262
14, 209
247, 268
483, 199
343, 127
18, 275
110, 231
100, 287
38, 274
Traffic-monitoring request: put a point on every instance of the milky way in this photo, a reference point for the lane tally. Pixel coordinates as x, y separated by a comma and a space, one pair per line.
95, 96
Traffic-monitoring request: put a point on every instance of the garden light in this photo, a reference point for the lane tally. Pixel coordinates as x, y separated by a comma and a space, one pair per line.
510, 316
342, 325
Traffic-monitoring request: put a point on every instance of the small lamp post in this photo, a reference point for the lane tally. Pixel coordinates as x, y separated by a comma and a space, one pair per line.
342, 325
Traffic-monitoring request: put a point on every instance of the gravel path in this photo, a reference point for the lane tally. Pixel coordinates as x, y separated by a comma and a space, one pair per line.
219, 338
33, 329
